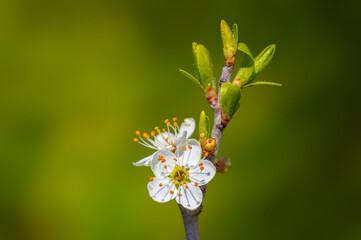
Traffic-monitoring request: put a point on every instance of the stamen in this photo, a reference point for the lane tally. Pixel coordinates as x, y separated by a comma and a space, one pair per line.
201, 168
206, 154
175, 124
174, 119
152, 133
145, 135
186, 186
168, 124
137, 133
173, 145
171, 192
189, 147
166, 139
135, 139
160, 157
160, 185
201, 164
163, 129
165, 166
196, 184
163, 161
165, 121
183, 175
151, 179
184, 148
174, 159
179, 194
176, 178
158, 130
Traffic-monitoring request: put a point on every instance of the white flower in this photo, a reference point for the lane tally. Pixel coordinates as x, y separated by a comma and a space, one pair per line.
178, 175
165, 139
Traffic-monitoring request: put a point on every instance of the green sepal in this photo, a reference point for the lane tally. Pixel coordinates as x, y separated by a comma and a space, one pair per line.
190, 76
230, 99
264, 58
263, 83
246, 70
204, 125
229, 39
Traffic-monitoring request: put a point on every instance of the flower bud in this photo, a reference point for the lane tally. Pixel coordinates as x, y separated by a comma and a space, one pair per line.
223, 164
204, 126
210, 144
230, 98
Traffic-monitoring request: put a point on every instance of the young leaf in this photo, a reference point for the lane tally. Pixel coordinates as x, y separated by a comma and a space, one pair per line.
190, 76
230, 41
264, 58
230, 97
263, 83
246, 70
204, 125
204, 67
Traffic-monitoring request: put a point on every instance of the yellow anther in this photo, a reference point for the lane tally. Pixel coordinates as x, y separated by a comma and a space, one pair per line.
135, 140
174, 119
137, 132
176, 178
163, 129
175, 124
145, 135
165, 121
184, 148
206, 154
168, 124
152, 133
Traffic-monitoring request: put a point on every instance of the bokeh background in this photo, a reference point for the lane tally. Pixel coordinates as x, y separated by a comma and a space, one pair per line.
77, 78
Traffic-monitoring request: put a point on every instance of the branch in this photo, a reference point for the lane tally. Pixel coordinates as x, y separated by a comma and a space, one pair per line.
190, 217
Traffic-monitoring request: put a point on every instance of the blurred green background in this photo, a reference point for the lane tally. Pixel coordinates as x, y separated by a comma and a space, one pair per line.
79, 77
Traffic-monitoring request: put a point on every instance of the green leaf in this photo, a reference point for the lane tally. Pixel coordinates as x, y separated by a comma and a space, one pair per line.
190, 76
235, 34
204, 126
263, 83
204, 67
246, 70
230, 98
195, 57
264, 58
229, 39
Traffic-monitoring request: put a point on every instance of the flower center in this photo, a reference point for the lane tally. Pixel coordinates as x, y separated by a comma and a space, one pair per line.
179, 176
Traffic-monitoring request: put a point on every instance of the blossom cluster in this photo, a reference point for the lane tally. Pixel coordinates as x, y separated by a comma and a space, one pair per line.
177, 164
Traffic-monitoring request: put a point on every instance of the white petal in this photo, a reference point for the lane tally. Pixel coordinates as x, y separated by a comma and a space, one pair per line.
191, 156
160, 142
144, 162
191, 197
181, 139
202, 177
188, 126
159, 189
158, 167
